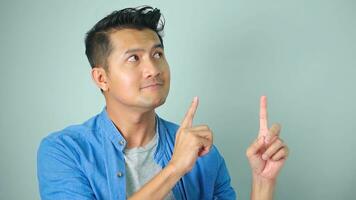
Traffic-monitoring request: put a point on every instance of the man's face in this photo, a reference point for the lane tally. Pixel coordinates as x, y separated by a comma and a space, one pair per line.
139, 74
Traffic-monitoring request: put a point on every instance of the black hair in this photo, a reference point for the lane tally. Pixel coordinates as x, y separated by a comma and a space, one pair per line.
97, 40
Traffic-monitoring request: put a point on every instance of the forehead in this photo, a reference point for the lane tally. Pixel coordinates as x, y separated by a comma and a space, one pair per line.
124, 39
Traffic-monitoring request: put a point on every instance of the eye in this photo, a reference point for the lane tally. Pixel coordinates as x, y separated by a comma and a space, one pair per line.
133, 58
158, 55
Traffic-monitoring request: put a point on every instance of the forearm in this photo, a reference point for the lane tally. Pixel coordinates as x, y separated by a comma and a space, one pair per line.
159, 186
262, 189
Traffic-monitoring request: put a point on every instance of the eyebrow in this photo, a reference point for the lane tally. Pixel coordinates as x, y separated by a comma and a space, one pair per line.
140, 49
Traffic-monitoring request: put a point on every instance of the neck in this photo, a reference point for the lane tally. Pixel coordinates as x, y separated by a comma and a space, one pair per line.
137, 127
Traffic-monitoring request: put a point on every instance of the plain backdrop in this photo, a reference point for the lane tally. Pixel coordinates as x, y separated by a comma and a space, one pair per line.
300, 53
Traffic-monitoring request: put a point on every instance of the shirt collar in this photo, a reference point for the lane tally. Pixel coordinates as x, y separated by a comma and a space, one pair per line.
110, 131
113, 134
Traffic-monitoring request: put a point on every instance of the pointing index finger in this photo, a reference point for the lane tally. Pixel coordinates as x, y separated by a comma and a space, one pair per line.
263, 116
189, 116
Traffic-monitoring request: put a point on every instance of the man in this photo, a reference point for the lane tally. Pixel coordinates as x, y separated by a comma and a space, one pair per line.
127, 151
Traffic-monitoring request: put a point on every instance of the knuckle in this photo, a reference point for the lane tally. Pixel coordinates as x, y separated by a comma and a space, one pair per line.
191, 136
283, 152
189, 132
277, 125
286, 149
279, 142
184, 130
275, 128
248, 153
267, 153
195, 139
205, 127
210, 133
272, 132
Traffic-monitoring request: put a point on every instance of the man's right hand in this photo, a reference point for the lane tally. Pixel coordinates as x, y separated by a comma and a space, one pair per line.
191, 142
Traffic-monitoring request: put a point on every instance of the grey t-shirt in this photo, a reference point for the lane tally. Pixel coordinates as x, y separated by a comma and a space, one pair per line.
141, 167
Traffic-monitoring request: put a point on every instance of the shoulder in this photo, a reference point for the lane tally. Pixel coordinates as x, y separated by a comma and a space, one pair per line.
72, 136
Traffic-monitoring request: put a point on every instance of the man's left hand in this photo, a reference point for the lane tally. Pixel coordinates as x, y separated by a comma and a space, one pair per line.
268, 153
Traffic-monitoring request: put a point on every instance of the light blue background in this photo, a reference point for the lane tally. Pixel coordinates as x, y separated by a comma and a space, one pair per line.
301, 54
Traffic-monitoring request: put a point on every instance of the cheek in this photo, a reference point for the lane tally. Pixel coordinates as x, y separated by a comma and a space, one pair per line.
167, 77
126, 82
167, 73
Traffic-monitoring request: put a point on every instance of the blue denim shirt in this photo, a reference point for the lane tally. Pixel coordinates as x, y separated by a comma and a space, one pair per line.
86, 162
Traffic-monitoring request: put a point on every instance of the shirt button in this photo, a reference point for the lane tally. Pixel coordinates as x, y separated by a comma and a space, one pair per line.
122, 142
119, 174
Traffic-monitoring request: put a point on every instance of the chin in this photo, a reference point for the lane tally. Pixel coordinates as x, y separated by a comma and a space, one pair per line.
158, 103
153, 100
161, 102
153, 103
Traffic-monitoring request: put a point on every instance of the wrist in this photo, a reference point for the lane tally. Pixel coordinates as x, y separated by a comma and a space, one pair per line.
260, 180
174, 170
262, 188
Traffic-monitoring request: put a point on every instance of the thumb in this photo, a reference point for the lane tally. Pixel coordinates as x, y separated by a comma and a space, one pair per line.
255, 147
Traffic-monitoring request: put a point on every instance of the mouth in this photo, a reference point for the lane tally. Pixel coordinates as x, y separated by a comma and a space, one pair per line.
152, 86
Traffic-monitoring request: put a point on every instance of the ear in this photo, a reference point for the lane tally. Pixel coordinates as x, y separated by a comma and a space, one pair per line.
99, 76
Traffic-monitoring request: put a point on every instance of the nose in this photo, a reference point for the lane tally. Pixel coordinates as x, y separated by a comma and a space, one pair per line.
151, 69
